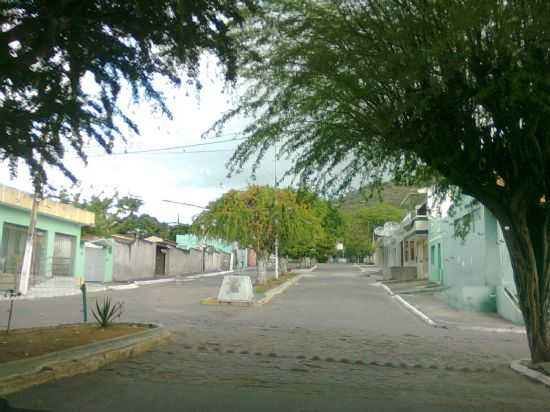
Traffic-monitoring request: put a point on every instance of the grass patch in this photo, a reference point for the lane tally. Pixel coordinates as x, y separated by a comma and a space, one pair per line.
273, 283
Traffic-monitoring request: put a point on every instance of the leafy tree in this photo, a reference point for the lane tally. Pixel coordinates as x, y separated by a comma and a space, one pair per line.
322, 244
118, 215
255, 217
102, 206
128, 206
458, 91
50, 51
360, 224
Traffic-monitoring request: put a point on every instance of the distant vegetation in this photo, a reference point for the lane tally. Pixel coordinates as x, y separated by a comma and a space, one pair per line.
362, 211
115, 214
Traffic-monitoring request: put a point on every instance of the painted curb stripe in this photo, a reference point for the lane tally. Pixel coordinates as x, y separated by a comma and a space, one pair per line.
270, 294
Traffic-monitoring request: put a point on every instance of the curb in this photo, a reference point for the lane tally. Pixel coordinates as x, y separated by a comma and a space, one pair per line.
22, 374
495, 330
530, 373
386, 288
153, 281
431, 322
417, 312
205, 275
311, 269
123, 287
270, 294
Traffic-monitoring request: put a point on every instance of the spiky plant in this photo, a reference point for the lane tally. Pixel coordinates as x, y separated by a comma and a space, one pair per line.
106, 312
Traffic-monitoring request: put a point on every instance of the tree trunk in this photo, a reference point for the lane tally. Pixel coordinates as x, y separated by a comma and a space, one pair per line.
283, 264
262, 269
527, 235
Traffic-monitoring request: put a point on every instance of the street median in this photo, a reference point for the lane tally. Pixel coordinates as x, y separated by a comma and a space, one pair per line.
20, 374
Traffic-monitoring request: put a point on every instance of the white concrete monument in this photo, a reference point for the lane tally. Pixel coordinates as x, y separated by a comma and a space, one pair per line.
236, 288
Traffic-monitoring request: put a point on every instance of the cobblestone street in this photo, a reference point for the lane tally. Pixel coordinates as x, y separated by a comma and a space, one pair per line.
334, 341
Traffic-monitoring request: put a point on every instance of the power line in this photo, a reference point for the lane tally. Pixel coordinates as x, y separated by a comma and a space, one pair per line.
162, 149
183, 152
185, 204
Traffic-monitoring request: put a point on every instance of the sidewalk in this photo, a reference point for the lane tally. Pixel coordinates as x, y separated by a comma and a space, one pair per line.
421, 295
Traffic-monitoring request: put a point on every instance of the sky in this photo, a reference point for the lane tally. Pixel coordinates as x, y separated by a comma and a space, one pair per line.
196, 178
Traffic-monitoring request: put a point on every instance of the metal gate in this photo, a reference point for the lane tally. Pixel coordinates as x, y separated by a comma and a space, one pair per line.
12, 252
94, 265
63, 255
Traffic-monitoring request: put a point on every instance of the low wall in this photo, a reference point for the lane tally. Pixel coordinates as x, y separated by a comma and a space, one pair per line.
134, 260
474, 298
182, 262
400, 273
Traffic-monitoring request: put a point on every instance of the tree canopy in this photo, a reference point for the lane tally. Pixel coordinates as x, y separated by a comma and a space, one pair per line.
256, 217
358, 90
115, 214
359, 225
321, 244
64, 63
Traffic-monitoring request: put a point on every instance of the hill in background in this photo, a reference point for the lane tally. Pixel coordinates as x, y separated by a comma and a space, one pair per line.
392, 195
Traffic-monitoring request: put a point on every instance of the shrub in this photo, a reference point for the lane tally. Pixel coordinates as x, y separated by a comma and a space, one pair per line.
106, 312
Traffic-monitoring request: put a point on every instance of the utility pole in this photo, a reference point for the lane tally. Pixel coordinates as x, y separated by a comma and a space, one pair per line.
24, 279
276, 223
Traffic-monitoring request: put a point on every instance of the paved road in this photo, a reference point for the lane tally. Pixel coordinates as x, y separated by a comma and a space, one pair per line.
333, 341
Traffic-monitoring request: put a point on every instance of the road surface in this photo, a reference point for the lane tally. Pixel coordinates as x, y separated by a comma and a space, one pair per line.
334, 341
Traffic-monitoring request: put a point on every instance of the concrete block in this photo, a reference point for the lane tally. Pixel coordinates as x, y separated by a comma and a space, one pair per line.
236, 288
400, 273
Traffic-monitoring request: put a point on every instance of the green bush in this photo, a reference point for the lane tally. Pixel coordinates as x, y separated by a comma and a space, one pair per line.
106, 312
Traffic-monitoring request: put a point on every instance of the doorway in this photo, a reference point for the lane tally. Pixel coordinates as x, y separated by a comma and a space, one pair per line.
160, 261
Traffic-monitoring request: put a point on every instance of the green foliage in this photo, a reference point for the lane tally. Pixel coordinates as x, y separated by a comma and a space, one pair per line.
363, 89
360, 224
322, 243
457, 91
106, 312
51, 51
120, 215
257, 216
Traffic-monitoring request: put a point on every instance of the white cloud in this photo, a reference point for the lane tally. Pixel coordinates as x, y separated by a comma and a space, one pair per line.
195, 178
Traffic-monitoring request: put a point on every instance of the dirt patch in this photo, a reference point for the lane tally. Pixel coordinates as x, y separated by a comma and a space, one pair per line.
273, 283
28, 343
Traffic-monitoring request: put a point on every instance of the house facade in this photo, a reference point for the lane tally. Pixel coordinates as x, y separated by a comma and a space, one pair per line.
57, 251
401, 248
469, 258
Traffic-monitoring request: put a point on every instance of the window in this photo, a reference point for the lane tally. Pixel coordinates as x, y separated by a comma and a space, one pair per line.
406, 250
432, 255
411, 243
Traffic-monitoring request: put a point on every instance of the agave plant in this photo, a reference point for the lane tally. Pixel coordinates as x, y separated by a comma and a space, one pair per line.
106, 312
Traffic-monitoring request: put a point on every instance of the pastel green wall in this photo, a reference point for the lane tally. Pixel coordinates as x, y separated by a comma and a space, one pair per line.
51, 226
470, 268
476, 269
107, 245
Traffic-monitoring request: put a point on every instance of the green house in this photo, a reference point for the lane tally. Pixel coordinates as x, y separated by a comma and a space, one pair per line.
469, 258
57, 248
